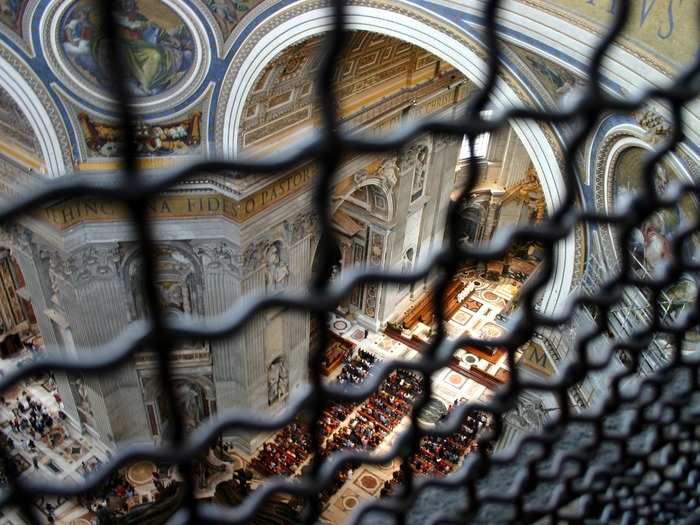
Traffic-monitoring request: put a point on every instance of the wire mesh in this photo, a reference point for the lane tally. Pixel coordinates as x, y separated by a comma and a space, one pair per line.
632, 487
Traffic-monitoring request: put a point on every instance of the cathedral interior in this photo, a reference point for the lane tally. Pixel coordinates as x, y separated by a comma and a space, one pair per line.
226, 79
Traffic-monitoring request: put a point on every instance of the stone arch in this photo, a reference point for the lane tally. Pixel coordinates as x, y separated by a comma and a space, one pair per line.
179, 279
474, 215
374, 182
650, 242
268, 42
40, 112
603, 157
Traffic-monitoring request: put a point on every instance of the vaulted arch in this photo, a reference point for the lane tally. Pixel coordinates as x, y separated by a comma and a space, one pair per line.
40, 113
461, 53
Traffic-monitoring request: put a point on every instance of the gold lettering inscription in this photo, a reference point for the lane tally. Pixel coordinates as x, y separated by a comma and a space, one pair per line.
72, 212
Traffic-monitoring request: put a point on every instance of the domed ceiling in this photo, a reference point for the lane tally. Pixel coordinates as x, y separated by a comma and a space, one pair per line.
179, 55
373, 67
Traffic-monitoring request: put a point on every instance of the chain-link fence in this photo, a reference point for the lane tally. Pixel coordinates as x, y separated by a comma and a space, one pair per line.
634, 459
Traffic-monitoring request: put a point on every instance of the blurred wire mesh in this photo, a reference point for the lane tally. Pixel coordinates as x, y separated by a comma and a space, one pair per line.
636, 460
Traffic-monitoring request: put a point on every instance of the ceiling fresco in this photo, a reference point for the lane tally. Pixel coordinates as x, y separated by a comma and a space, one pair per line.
11, 12
669, 28
557, 80
373, 67
228, 13
182, 136
177, 55
158, 47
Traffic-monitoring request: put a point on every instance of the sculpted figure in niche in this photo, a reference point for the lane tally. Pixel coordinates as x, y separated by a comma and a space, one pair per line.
528, 414
420, 173
407, 261
276, 270
389, 172
83, 401
191, 404
277, 380
171, 297
84, 409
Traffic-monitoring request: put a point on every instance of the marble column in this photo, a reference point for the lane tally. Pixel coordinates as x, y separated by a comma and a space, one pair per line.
222, 290
35, 276
414, 160
93, 299
297, 328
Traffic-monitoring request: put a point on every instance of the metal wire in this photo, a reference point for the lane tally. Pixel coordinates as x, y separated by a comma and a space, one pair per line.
617, 490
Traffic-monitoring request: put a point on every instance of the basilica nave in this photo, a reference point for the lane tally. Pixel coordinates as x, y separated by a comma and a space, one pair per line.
223, 79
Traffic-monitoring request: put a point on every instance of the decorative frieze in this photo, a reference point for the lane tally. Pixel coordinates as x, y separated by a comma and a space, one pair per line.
529, 414
17, 237
83, 266
94, 262
656, 126
301, 225
209, 204
218, 256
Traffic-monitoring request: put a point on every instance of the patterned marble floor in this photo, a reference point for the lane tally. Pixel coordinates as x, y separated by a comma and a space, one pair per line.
63, 463
478, 316
68, 461
76, 456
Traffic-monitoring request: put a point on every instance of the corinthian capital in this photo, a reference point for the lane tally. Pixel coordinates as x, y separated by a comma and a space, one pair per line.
93, 262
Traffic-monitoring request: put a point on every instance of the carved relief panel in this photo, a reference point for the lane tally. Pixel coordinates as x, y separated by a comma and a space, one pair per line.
272, 258
196, 396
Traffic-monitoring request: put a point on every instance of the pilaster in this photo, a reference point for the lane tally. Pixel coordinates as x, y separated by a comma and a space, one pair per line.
222, 290
26, 254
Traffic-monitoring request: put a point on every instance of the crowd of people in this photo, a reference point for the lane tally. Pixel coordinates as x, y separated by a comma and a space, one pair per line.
440, 455
356, 367
32, 421
373, 422
291, 446
114, 495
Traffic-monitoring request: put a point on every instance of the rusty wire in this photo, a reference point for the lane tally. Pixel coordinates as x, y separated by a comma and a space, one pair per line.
604, 490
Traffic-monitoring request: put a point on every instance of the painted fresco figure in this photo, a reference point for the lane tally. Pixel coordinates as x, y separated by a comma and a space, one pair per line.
154, 56
228, 11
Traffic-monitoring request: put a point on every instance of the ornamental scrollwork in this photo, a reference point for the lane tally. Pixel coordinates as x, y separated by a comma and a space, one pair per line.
218, 255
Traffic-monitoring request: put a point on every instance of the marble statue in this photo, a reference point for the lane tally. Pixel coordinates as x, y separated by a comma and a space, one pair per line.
420, 172
190, 403
529, 414
389, 172
277, 380
276, 270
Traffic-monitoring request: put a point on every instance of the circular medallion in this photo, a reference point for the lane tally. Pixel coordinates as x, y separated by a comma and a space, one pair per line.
490, 296
491, 331
140, 473
341, 325
369, 482
161, 42
350, 502
471, 359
